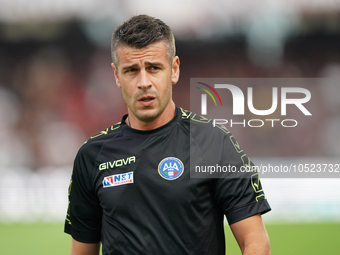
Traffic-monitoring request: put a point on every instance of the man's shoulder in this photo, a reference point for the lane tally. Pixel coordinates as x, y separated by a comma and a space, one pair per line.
95, 142
200, 125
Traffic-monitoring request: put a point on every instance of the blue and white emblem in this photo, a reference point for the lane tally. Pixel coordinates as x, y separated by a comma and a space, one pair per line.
170, 168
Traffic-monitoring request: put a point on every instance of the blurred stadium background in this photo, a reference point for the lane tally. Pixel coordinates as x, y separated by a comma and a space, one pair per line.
57, 89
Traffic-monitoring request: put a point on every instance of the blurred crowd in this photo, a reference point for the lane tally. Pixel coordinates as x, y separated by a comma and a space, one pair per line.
54, 95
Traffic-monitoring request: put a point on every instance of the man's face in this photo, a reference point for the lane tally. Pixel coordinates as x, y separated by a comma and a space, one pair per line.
146, 78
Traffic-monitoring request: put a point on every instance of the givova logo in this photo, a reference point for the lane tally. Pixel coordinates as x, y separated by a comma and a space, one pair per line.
170, 168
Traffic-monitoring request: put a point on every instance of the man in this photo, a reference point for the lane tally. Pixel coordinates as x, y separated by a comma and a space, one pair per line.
131, 188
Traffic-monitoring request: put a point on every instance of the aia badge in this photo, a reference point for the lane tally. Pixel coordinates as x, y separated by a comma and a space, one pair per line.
118, 179
170, 168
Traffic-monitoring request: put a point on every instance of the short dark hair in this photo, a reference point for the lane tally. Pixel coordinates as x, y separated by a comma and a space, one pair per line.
140, 31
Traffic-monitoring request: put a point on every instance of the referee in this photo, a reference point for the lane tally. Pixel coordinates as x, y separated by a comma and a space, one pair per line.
131, 190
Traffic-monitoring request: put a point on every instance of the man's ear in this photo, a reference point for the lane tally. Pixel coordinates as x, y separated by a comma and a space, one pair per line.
175, 70
115, 71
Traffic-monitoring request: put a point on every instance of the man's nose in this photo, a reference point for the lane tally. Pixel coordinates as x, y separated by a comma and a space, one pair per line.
144, 81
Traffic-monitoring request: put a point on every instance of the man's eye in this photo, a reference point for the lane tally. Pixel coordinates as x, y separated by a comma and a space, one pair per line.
131, 70
154, 68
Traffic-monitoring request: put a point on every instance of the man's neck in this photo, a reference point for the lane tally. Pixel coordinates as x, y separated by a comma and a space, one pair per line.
167, 115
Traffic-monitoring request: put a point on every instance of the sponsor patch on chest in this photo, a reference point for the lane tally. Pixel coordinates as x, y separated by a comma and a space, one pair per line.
117, 179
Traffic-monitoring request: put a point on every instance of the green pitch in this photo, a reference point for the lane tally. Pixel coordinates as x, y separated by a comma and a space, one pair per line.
300, 239
297, 239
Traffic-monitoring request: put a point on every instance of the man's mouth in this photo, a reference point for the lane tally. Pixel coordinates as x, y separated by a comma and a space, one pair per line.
146, 100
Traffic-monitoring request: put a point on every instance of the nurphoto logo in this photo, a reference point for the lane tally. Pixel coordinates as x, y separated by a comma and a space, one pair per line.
281, 97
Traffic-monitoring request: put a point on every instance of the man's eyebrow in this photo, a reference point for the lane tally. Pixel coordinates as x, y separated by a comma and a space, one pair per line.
154, 63
147, 63
129, 67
